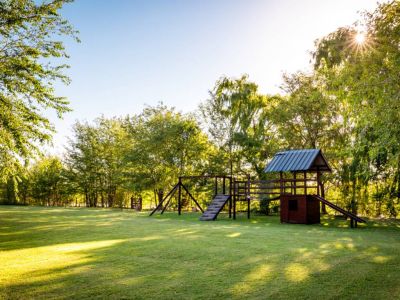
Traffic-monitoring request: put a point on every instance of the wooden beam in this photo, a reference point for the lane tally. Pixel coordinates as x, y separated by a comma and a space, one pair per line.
169, 200
294, 183
248, 207
230, 198
190, 195
248, 196
234, 200
205, 176
161, 202
322, 191
180, 196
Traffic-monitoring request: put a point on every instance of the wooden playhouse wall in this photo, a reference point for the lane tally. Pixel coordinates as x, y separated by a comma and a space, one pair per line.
299, 209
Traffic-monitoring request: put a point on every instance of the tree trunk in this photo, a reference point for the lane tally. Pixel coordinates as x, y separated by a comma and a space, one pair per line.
155, 197
398, 179
110, 200
132, 202
95, 199
160, 195
102, 199
87, 198
353, 196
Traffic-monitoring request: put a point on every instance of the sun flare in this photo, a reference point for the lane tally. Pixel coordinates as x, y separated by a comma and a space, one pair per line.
360, 38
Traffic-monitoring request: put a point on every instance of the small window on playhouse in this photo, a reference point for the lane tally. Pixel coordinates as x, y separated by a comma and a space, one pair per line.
293, 205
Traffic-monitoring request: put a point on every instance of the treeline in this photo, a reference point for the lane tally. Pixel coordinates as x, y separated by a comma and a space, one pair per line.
349, 106
112, 160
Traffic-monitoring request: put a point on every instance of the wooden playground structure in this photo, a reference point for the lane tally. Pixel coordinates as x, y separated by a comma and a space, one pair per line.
299, 189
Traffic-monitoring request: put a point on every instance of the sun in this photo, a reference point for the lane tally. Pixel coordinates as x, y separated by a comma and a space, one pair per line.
360, 41
360, 38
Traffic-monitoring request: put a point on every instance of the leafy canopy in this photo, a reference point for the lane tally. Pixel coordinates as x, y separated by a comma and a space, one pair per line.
30, 55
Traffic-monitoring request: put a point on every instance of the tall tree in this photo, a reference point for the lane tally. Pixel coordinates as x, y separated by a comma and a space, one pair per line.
95, 160
364, 76
238, 121
308, 117
30, 64
165, 144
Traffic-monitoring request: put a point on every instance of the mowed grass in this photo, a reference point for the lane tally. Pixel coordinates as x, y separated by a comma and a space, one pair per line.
102, 253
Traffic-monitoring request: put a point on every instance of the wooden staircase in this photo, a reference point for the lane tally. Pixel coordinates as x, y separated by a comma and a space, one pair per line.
215, 207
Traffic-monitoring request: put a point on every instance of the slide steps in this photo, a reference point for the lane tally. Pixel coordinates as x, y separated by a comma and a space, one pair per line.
215, 207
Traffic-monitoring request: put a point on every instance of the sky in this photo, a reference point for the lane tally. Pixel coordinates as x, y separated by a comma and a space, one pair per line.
137, 53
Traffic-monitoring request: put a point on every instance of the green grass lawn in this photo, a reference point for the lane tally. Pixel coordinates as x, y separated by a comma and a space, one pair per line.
102, 253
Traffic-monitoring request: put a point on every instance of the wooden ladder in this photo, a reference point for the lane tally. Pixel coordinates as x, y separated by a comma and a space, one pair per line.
215, 207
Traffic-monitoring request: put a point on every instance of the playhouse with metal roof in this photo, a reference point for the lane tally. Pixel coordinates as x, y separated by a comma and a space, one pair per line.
301, 204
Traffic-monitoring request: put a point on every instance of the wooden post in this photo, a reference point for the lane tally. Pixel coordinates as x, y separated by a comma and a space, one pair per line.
248, 208
281, 182
179, 196
248, 196
230, 198
234, 200
322, 194
234, 208
294, 183
140, 203
305, 183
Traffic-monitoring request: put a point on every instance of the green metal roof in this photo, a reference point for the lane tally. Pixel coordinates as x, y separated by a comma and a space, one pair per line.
298, 160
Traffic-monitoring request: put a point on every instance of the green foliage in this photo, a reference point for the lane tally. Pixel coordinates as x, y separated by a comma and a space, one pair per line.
348, 106
29, 69
48, 184
94, 160
364, 79
264, 206
165, 144
42, 183
238, 121
308, 117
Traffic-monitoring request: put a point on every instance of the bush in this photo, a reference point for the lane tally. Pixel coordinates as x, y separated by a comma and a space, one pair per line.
264, 206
